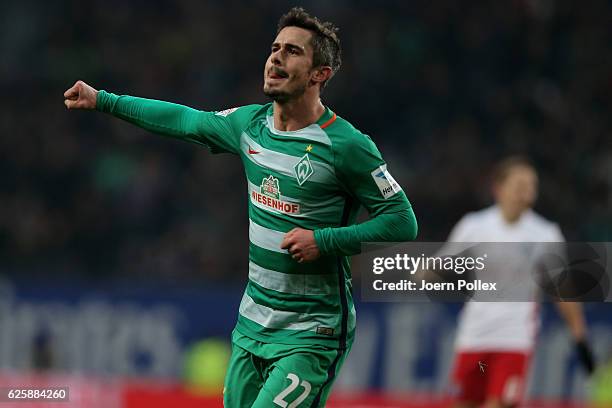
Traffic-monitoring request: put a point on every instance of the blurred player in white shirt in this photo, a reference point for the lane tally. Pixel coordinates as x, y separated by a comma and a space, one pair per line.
495, 339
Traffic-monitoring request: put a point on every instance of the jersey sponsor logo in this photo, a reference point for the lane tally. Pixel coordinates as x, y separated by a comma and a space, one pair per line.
270, 187
225, 112
385, 182
269, 196
303, 169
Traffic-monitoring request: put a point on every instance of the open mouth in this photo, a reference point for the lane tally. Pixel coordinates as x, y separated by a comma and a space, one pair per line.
276, 73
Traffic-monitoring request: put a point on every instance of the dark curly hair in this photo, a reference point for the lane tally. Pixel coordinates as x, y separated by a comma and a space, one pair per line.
324, 41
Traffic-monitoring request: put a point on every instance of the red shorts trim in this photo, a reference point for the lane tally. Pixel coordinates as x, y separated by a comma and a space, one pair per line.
481, 376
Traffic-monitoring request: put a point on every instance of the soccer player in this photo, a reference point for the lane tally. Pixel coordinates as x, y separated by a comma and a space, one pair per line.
495, 339
308, 172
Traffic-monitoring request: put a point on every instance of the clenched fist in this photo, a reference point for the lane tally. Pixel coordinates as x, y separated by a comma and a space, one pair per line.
301, 245
80, 96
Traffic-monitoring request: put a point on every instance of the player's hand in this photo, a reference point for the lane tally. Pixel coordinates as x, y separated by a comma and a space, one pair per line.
80, 96
301, 245
585, 356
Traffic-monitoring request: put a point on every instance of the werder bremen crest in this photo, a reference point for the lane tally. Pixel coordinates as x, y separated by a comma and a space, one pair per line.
303, 169
269, 187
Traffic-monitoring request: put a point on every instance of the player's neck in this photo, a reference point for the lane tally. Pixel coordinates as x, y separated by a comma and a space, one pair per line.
298, 113
510, 214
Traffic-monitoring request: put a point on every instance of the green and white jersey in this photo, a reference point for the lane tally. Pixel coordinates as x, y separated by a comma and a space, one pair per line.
313, 178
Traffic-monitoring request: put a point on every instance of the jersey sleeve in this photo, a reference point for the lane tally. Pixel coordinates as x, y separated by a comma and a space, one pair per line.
219, 131
365, 176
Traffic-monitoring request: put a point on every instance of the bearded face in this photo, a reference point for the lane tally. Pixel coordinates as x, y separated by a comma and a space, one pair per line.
288, 69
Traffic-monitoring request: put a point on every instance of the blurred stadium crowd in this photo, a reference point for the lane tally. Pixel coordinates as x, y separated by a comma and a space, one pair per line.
445, 88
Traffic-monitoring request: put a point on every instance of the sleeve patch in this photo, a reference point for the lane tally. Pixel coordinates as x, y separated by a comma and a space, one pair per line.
225, 112
385, 182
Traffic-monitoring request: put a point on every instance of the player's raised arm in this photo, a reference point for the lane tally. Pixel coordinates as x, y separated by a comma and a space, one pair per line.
220, 131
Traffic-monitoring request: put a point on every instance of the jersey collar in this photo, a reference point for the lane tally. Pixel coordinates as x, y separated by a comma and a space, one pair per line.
326, 119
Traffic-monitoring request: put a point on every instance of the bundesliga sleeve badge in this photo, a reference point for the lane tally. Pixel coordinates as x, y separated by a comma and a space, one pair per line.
226, 112
385, 182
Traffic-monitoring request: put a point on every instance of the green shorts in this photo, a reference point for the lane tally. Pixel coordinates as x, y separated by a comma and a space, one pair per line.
268, 375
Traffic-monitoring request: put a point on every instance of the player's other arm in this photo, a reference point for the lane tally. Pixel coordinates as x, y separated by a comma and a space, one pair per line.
574, 318
573, 315
165, 118
363, 171
308, 245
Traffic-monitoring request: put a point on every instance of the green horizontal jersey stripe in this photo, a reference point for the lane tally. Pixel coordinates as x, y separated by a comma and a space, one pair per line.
283, 262
315, 178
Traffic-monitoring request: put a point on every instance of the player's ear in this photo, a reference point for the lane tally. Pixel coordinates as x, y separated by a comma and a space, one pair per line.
321, 74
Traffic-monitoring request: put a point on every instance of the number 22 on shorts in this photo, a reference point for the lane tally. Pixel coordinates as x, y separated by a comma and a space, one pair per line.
295, 381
